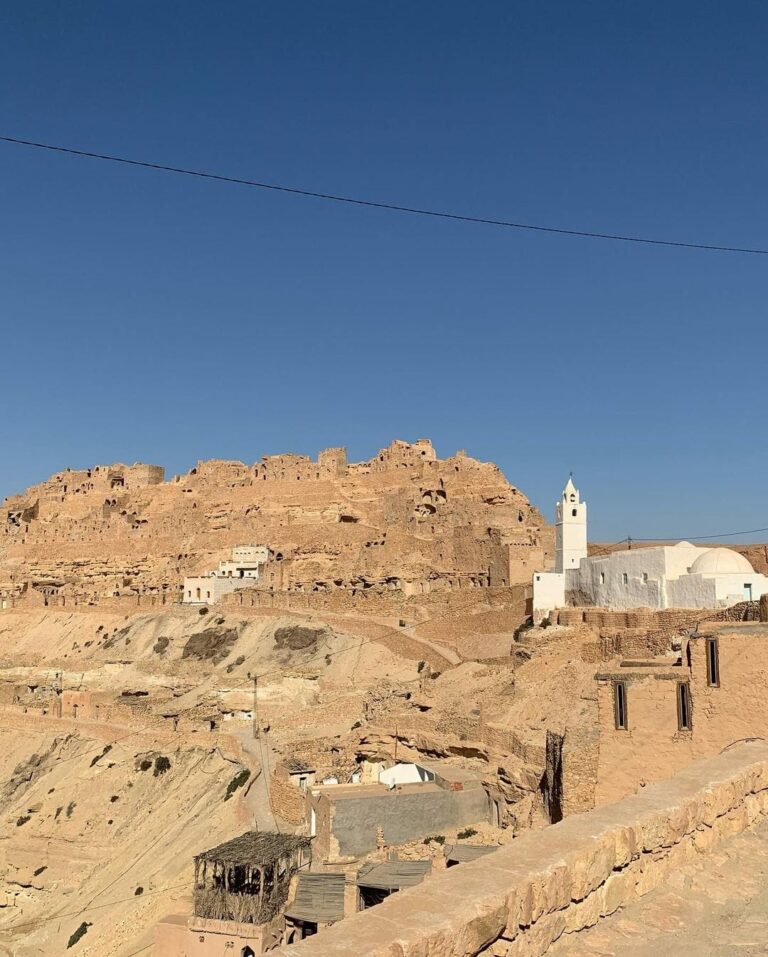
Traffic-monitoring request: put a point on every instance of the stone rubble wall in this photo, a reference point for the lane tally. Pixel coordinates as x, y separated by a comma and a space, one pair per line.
519, 900
665, 618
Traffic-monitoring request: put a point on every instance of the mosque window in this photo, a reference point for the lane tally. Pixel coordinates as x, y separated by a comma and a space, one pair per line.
574, 512
645, 576
683, 706
602, 578
713, 663
625, 578
620, 705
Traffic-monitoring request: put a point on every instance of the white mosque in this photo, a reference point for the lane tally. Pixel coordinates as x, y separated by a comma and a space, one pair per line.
665, 576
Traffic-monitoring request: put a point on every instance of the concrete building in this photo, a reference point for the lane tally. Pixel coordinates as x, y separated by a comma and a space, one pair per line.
241, 571
408, 803
664, 576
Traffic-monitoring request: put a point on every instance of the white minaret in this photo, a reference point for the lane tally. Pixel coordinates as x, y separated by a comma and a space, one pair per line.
570, 529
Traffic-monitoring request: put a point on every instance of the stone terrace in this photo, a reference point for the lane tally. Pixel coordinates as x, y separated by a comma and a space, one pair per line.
713, 907
538, 895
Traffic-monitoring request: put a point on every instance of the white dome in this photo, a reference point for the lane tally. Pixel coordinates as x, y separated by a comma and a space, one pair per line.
721, 561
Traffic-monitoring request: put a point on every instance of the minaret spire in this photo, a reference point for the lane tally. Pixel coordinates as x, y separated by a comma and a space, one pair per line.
570, 528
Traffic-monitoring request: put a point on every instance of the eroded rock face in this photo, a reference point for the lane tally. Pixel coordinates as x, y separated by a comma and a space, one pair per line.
298, 637
212, 644
403, 521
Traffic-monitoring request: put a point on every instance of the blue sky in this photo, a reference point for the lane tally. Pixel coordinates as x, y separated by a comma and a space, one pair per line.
152, 317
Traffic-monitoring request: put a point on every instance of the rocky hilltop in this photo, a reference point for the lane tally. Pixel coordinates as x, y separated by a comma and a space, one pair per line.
404, 521
134, 735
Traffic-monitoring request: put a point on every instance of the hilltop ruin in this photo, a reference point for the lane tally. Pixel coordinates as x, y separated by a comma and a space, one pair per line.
404, 521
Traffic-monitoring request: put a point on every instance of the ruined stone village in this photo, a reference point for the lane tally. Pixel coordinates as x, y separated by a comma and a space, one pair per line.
321, 707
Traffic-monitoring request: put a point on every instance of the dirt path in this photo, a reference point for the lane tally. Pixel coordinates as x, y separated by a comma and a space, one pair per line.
257, 798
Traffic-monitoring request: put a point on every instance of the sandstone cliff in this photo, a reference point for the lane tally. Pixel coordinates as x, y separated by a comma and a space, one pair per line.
405, 520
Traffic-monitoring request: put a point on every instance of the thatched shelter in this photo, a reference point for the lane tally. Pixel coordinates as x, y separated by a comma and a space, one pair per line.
247, 879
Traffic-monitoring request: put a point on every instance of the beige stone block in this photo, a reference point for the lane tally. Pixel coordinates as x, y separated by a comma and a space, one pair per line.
553, 890
434, 924
592, 867
618, 890
539, 938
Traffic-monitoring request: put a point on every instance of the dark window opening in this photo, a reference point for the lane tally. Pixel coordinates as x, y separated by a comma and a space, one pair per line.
574, 513
683, 706
371, 896
620, 705
713, 663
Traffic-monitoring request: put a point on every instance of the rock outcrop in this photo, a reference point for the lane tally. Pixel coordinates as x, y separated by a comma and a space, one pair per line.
404, 521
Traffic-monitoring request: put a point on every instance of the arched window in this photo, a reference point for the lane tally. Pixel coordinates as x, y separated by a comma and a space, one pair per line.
247, 952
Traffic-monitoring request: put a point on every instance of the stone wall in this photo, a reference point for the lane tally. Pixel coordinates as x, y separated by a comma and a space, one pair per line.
351, 826
508, 603
653, 746
664, 618
517, 901
287, 800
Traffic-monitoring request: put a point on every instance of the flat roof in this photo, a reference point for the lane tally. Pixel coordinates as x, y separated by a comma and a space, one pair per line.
390, 875
319, 897
732, 628
468, 852
340, 792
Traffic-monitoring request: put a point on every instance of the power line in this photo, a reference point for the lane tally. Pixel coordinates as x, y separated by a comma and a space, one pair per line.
603, 549
77, 913
140, 950
702, 538
371, 204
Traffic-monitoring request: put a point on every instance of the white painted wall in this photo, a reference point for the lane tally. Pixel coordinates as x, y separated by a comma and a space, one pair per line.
692, 591
241, 570
405, 774
232, 569
658, 578
208, 589
570, 529
548, 593
251, 554
735, 587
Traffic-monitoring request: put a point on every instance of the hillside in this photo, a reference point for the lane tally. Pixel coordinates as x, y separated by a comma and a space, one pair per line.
405, 521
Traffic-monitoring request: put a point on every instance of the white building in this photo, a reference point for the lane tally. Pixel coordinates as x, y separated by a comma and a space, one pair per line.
242, 571
665, 576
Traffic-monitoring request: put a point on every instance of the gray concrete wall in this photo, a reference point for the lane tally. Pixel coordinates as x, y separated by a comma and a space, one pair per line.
404, 816
558, 881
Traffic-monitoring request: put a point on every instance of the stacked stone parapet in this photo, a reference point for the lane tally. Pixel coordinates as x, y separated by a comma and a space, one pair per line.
551, 884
